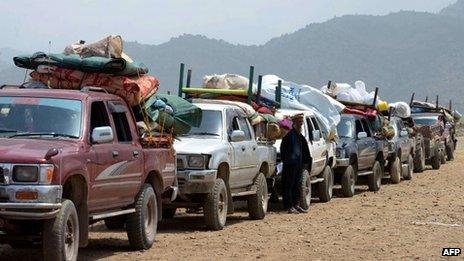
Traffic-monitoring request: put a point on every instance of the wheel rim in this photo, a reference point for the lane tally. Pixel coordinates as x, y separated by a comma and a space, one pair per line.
330, 183
411, 167
222, 207
307, 191
149, 217
352, 182
264, 197
379, 176
70, 238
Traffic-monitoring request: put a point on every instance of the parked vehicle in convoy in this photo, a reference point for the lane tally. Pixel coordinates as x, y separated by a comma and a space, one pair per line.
322, 152
359, 153
221, 161
72, 158
431, 126
401, 149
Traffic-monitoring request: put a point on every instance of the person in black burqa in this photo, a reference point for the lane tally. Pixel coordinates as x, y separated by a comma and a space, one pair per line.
294, 153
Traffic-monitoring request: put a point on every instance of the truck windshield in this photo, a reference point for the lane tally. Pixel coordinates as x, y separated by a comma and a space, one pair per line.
33, 116
431, 120
345, 128
211, 124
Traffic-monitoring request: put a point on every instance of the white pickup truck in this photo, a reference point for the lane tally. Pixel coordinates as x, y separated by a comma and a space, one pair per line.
222, 161
322, 152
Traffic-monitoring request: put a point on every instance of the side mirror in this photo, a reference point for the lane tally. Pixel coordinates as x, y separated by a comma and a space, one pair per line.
404, 133
102, 135
316, 135
237, 135
362, 135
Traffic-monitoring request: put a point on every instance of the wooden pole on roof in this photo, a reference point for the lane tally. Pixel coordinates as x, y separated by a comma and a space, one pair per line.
189, 78
450, 105
278, 94
181, 79
260, 82
426, 98
375, 96
250, 84
412, 99
436, 102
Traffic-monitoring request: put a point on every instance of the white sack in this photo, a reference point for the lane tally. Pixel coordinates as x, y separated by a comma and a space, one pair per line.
225, 81
400, 109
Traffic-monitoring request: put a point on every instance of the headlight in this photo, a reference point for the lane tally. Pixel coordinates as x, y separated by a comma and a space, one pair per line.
42, 174
340, 153
29, 174
197, 161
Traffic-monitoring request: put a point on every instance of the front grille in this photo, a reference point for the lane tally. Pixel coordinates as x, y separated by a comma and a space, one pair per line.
180, 182
180, 164
2, 176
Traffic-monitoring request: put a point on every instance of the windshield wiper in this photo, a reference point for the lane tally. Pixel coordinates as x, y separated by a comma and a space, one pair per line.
24, 134
203, 133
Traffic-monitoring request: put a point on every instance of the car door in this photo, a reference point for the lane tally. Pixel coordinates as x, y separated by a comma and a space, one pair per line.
245, 158
362, 146
320, 150
371, 150
404, 142
116, 167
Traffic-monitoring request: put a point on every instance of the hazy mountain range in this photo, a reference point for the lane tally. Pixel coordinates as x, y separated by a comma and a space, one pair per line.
401, 53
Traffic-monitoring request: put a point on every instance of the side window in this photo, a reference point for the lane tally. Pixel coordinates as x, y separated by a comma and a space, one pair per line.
98, 115
359, 127
244, 127
310, 129
122, 126
366, 127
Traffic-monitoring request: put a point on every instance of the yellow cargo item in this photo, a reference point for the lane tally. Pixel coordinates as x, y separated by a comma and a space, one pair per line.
382, 106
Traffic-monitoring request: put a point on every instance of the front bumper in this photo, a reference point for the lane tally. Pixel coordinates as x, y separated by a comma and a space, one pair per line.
343, 163
196, 181
45, 206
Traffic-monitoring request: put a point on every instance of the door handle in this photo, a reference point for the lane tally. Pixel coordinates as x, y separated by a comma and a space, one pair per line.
135, 153
243, 148
115, 153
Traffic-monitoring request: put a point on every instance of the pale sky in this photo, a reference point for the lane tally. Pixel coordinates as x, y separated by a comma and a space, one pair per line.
29, 25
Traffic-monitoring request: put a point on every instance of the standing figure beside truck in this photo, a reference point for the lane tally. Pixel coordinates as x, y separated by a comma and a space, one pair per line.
294, 154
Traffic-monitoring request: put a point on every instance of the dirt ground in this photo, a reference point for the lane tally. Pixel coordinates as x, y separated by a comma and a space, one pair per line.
412, 220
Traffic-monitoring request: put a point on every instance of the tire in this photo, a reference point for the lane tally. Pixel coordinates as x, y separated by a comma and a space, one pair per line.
375, 179
215, 206
169, 213
450, 151
142, 224
408, 174
442, 158
348, 182
305, 190
419, 161
395, 171
114, 223
257, 204
436, 159
325, 188
61, 234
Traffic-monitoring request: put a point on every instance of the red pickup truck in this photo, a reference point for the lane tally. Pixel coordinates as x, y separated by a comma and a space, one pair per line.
71, 158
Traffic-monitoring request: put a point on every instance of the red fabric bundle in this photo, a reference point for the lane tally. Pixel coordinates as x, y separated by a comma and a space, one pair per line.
132, 89
367, 112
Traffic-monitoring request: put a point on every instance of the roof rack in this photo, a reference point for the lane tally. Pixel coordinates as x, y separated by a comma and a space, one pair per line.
94, 89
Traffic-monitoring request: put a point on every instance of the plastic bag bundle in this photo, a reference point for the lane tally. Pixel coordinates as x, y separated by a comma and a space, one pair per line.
225, 81
400, 109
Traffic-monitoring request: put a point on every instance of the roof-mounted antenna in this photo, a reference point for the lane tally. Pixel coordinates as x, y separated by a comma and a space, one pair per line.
189, 78
375, 96
412, 99
181, 79
250, 84
260, 82
278, 94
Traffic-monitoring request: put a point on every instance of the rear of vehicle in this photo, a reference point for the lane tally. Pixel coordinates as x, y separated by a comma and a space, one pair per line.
429, 125
400, 161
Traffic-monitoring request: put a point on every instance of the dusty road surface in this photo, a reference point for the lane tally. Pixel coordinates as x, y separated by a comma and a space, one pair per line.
412, 220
